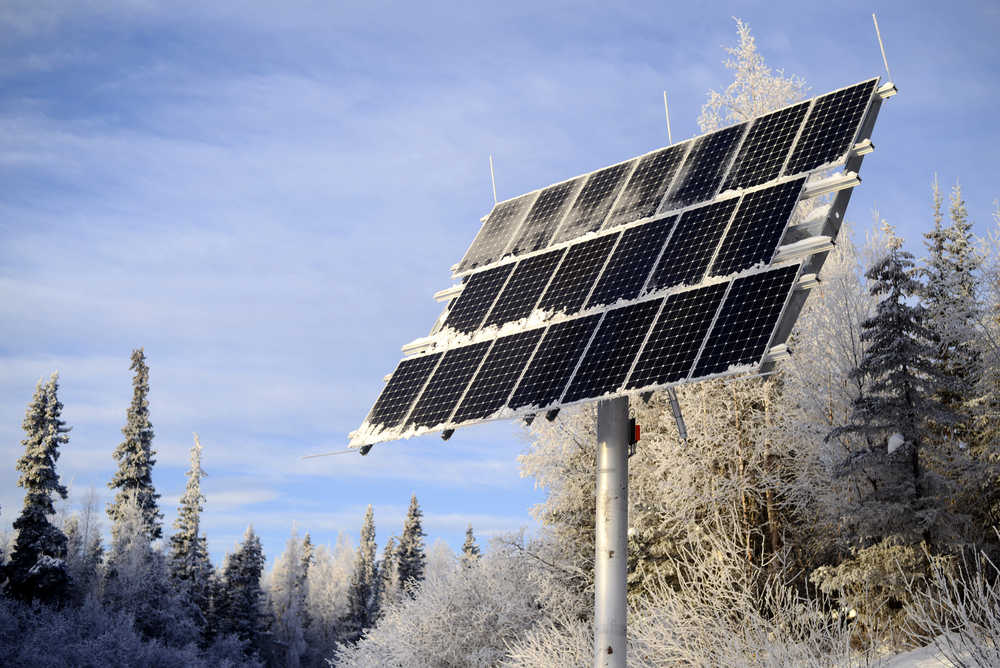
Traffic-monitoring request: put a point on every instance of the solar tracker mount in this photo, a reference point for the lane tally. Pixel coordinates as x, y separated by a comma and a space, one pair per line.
687, 263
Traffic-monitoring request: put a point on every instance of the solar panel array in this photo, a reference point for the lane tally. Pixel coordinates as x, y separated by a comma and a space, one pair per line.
655, 271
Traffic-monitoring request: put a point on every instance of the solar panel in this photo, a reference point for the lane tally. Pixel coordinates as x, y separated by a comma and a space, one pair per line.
629, 266
446, 385
404, 385
576, 275
610, 356
831, 127
542, 221
477, 297
692, 245
642, 194
757, 228
550, 369
594, 201
673, 344
704, 167
501, 369
524, 288
746, 321
685, 280
496, 232
764, 150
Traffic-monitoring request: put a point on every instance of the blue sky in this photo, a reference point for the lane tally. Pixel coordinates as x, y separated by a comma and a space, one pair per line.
265, 196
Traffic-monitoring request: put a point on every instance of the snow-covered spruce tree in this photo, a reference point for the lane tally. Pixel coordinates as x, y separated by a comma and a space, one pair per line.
387, 589
239, 601
410, 555
302, 586
907, 491
470, 551
135, 455
190, 567
950, 296
37, 570
755, 89
360, 595
287, 603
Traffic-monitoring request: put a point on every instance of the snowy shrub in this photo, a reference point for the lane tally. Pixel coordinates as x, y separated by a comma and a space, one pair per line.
465, 617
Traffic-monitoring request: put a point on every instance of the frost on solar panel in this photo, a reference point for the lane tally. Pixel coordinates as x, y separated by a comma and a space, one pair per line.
629, 266
501, 369
699, 176
525, 286
576, 275
551, 367
612, 351
496, 233
673, 344
477, 297
764, 150
645, 188
406, 382
446, 385
831, 127
757, 228
594, 201
692, 245
545, 215
746, 321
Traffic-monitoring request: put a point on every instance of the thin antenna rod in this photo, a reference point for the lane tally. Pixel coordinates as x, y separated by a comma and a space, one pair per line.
327, 454
666, 109
882, 47
493, 179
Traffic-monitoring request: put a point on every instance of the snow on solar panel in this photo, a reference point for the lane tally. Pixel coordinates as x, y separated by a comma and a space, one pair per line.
477, 297
544, 218
594, 201
496, 232
629, 266
501, 369
525, 286
576, 275
692, 245
446, 385
764, 150
642, 194
702, 171
831, 127
402, 388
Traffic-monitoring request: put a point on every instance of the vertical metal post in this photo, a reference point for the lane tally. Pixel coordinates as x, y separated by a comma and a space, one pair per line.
610, 558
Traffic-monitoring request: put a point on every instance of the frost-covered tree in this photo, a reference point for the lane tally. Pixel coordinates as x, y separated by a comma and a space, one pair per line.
360, 595
190, 566
136, 580
135, 455
950, 295
440, 559
755, 89
287, 602
328, 581
37, 570
470, 550
410, 555
84, 549
308, 550
239, 601
987, 421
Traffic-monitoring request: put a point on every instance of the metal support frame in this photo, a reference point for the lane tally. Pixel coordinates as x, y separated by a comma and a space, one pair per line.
611, 524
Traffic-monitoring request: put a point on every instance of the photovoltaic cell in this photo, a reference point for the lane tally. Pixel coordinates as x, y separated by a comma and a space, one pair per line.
747, 320
476, 298
404, 385
831, 127
447, 384
501, 369
613, 350
553, 364
524, 288
577, 274
496, 232
631, 262
757, 227
699, 176
673, 344
645, 188
764, 150
692, 245
594, 201
545, 216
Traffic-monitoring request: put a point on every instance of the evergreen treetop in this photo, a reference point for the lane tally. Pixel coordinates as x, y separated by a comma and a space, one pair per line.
361, 592
135, 455
411, 556
470, 551
239, 606
190, 566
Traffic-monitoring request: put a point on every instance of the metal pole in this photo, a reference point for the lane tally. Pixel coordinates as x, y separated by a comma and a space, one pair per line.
610, 558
